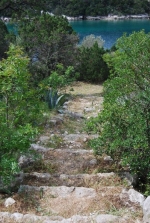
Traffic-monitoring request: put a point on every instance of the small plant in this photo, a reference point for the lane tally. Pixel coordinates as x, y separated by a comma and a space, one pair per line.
55, 83
54, 99
55, 142
41, 167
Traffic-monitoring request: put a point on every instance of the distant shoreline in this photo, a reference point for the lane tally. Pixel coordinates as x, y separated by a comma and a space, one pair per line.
89, 18
109, 17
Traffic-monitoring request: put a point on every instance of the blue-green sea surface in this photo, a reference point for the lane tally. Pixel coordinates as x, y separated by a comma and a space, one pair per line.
110, 31
11, 27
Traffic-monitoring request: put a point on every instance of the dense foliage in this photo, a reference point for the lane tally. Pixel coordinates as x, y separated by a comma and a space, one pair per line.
54, 58
74, 7
21, 7
19, 110
124, 124
91, 65
48, 40
99, 7
3, 42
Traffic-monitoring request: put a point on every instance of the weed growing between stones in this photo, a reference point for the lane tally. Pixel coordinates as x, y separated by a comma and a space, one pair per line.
55, 142
41, 167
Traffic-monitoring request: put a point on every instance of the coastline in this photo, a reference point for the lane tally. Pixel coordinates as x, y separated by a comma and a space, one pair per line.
109, 17
88, 18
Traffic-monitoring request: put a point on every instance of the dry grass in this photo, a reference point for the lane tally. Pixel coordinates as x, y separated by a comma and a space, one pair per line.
82, 88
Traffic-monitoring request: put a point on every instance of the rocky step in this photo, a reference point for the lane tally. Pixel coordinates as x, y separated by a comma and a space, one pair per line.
69, 161
79, 180
77, 140
69, 201
31, 218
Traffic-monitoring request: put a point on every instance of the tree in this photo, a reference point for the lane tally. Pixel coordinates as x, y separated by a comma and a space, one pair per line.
3, 42
48, 40
19, 108
98, 8
91, 65
89, 41
19, 7
125, 120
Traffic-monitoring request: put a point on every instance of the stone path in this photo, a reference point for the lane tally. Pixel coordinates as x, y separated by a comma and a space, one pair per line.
75, 191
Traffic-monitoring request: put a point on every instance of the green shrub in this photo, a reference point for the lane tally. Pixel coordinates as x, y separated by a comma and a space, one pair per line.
19, 109
90, 40
91, 66
125, 120
55, 83
3, 42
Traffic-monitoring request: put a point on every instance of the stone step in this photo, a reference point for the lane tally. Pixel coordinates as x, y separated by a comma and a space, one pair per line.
68, 201
31, 218
71, 161
71, 141
74, 204
79, 180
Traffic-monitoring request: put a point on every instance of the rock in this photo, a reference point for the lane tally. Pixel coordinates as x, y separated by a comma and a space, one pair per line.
75, 115
4, 215
57, 120
40, 176
61, 111
17, 216
146, 210
39, 148
9, 201
93, 162
132, 196
65, 107
131, 179
25, 161
103, 218
84, 192
31, 218
108, 159
44, 139
135, 196
88, 110
85, 139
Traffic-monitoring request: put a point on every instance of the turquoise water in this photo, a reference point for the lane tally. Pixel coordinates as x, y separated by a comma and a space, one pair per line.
110, 31
12, 28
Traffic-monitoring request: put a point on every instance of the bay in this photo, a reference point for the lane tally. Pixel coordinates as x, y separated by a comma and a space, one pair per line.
110, 31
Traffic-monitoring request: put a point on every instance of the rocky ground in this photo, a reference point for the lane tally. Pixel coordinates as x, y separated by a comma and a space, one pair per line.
70, 184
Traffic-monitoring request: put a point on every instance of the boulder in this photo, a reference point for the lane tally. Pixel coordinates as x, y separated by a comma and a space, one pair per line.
136, 197
9, 201
131, 179
132, 196
25, 161
146, 210
103, 218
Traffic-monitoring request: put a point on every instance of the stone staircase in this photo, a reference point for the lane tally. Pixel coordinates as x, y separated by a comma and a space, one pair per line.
76, 191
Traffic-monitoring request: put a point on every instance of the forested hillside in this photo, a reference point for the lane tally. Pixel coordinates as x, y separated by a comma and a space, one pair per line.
99, 7
77, 7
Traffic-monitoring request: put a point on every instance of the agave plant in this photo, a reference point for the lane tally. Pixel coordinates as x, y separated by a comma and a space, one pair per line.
54, 99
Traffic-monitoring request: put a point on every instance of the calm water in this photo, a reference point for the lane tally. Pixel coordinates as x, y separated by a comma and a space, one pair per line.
110, 31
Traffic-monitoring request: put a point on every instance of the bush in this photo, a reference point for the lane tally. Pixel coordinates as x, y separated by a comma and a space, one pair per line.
19, 109
90, 40
125, 120
92, 67
3, 42
58, 79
